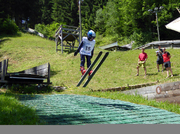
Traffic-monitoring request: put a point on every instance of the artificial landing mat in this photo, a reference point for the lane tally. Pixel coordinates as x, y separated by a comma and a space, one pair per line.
81, 110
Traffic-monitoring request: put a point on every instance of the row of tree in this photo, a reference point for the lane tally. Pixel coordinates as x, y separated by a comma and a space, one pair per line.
48, 11
132, 18
119, 18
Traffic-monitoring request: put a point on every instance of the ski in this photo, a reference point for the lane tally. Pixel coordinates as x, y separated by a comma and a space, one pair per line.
95, 70
89, 69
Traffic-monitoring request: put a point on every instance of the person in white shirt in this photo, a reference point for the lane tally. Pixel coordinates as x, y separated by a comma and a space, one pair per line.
86, 49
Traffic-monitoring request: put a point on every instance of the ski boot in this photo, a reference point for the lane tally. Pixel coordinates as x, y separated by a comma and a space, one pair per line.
82, 70
90, 72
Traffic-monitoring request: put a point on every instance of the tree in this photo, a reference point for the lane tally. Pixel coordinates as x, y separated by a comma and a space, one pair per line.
65, 11
88, 12
46, 9
131, 19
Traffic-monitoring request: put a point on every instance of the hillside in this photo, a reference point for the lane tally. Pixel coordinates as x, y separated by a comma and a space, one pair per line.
118, 70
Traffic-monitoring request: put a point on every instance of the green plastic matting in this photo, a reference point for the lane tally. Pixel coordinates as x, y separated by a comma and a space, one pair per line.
81, 110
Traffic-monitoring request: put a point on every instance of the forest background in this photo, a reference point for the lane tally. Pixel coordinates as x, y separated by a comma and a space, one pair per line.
117, 20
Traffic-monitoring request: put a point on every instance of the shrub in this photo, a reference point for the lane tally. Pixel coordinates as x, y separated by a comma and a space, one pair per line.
140, 38
47, 30
8, 26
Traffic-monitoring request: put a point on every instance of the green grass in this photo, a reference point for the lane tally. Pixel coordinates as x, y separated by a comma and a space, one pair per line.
118, 70
14, 113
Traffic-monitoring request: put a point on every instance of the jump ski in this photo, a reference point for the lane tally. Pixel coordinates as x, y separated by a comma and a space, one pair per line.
89, 69
95, 70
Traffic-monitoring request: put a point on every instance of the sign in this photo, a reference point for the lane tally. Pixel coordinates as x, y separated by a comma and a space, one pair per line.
158, 90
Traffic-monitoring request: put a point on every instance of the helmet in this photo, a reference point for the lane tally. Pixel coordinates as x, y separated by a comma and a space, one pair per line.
91, 34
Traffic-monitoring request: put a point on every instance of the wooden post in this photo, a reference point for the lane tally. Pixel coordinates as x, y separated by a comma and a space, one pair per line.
61, 40
3, 70
73, 45
48, 79
56, 41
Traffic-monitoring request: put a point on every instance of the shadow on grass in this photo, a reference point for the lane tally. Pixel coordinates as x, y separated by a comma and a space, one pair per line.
22, 97
176, 74
2, 41
53, 73
7, 94
68, 51
152, 74
32, 89
11, 35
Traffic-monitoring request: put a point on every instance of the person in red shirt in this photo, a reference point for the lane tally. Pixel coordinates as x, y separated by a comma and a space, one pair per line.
167, 64
142, 61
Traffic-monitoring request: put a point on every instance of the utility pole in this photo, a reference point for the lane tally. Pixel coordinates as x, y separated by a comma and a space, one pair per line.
157, 26
80, 20
156, 10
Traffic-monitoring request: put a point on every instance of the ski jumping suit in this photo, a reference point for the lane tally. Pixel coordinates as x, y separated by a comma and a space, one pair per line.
86, 49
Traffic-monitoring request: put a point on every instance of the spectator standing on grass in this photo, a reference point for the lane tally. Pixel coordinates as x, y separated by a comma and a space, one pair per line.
159, 58
142, 61
167, 64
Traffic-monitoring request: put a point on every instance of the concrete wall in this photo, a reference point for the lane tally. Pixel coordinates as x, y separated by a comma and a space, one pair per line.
157, 91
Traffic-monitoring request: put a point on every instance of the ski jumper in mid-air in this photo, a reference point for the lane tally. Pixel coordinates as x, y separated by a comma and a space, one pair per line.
86, 50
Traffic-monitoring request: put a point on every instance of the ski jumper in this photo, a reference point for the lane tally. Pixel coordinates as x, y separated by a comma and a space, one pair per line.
86, 49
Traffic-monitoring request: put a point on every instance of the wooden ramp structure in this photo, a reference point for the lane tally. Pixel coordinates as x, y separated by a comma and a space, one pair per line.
68, 34
35, 75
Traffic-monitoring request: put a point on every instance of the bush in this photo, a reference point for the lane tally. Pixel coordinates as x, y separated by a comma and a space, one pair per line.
140, 38
47, 30
8, 26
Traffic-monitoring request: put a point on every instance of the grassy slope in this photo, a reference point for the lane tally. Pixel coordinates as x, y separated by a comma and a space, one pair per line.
118, 70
